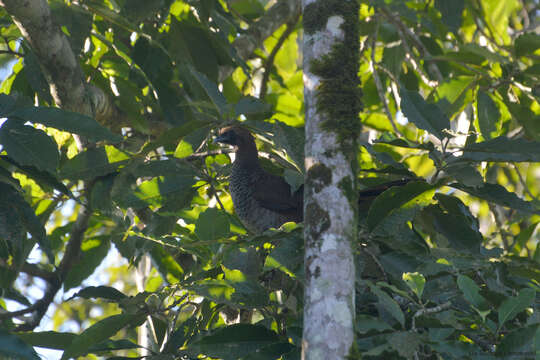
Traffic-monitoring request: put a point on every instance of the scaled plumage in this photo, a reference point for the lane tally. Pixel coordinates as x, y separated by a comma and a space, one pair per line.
263, 200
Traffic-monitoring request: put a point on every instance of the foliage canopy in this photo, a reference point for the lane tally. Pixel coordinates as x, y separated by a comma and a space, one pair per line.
451, 98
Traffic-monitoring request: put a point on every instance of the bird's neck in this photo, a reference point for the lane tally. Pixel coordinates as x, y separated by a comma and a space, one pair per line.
247, 155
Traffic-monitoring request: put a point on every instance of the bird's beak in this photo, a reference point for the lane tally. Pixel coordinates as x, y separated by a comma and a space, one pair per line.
220, 139
224, 138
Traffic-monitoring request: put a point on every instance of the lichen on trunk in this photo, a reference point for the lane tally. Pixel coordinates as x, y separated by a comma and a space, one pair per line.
332, 98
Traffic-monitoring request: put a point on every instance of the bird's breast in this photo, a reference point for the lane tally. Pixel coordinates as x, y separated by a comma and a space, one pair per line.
254, 217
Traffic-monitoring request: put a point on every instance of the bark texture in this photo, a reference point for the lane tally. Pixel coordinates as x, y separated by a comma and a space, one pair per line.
58, 62
329, 196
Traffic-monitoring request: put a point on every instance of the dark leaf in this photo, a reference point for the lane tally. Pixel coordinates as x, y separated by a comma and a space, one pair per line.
100, 292
49, 339
451, 12
212, 224
424, 115
29, 146
89, 164
502, 149
521, 342
471, 292
488, 114
456, 228
234, 342
499, 195
212, 91
365, 323
388, 304
411, 195
99, 332
66, 121
93, 253
527, 44
514, 305
13, 347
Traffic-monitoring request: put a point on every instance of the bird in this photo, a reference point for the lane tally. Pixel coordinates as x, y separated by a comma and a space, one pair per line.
262, 200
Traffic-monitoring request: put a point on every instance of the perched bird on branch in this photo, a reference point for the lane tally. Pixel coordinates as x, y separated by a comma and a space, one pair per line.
263, 200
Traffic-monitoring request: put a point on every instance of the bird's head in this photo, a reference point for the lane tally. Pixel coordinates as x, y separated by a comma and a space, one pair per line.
236, 136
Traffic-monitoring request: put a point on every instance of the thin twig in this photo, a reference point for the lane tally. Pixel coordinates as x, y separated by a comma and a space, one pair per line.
432, 310
9, 51
403, 32
73, 248
30, 269
378, 83
523, 182
377, 262
269, 63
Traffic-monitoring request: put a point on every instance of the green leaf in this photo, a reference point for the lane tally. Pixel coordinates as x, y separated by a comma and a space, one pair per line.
211, 91
93, 253
100, 292
272, 352
465, 173
18, 216
388, 304
251, 9
99, 332
471, 292
405, 343
514, 305
451, 12
172, 136
110, 345
499, 195
393, 59
288, 255
66, 121
43, 178
166, 263
35, 76
424, 115
234, 342
454, 205
488, 114
365, 323
502, 149
12, 346
29, 146
292, 141
90, 164
527, 44
183, 149
212, 224
520, 342
251, 106
49, 339
524, 236
410, 195
416, 282
456, 228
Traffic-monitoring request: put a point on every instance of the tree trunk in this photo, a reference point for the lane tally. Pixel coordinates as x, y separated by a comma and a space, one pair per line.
332, 104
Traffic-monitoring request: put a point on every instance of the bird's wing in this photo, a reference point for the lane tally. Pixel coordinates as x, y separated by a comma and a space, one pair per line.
273, 193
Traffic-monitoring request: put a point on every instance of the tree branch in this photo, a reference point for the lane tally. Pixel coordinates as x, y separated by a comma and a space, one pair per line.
284, 11
269, 63
378, 83
71, 255
57, 60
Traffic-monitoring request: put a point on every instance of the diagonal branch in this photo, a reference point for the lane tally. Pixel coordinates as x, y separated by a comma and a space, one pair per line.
269, 63
58, 62
56, 279
282, 12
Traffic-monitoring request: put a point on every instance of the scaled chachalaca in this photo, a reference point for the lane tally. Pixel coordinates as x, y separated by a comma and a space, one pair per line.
263, 200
